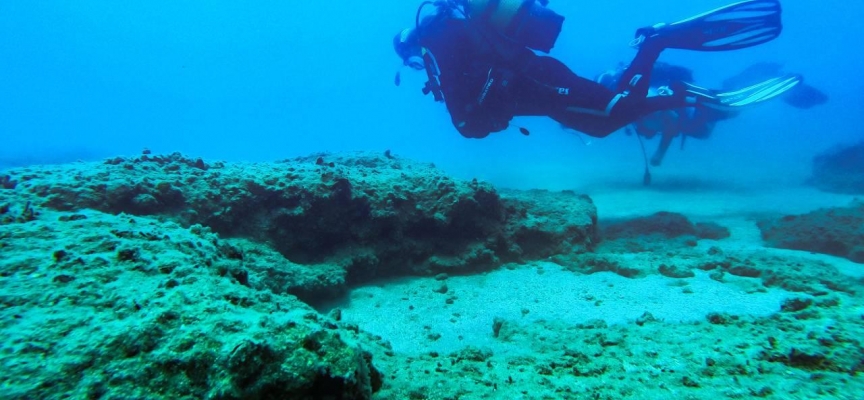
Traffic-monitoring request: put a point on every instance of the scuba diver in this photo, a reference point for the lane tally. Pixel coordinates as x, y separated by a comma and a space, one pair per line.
480, 60
699, 122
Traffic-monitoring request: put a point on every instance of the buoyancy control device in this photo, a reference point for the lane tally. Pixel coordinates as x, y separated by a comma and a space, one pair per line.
527, 22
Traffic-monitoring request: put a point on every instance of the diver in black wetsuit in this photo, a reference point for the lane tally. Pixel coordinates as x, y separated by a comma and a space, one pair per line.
480, 59
699, 122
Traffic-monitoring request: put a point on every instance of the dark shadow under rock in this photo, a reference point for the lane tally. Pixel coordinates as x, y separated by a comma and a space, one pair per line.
836, 231
840, 170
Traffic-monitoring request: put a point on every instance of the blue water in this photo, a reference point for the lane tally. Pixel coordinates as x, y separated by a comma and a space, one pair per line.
274, 79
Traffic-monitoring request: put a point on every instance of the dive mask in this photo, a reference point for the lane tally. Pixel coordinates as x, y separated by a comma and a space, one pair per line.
408, 48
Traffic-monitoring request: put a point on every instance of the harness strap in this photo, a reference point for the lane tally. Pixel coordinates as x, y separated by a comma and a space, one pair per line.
433, 85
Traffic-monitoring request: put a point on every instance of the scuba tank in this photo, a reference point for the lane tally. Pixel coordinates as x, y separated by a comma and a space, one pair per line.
524, 22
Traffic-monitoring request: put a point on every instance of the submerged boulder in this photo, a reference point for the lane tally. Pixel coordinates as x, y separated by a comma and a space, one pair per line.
117, 306
840, 170
662, 225
836, 231
351, 217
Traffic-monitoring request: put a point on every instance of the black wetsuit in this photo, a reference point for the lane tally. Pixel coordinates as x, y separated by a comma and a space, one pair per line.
486, 81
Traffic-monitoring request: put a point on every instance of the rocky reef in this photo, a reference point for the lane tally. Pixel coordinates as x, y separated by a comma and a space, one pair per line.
338, 219
169, 276
789, 355
172, 277
840, 170
836, 231
664, 226
119, 306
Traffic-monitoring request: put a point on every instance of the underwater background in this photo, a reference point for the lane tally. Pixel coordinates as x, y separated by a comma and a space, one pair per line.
258, 82
230, 200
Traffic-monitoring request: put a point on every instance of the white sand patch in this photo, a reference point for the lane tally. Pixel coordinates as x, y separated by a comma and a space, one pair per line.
416, 319
546, 292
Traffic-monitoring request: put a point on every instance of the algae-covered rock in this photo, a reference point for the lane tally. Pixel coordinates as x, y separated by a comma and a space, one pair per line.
840, 170
350, 218
663, 242
836, 231
543, 223
118, 306
675, 271
647, 359
663, 224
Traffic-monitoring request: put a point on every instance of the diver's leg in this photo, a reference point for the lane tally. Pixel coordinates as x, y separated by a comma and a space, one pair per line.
670, 131
547, 84
589, 107
550, 88
636, 79
738, 25
626, 111
735, 99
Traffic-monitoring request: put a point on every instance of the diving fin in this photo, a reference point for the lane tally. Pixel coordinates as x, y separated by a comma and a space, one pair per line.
735, 26
754, 94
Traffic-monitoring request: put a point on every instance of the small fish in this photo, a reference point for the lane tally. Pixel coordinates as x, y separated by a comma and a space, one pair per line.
524, 131
398, 79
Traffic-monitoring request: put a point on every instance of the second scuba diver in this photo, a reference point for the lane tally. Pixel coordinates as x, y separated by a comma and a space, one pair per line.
479, 56
699, 122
